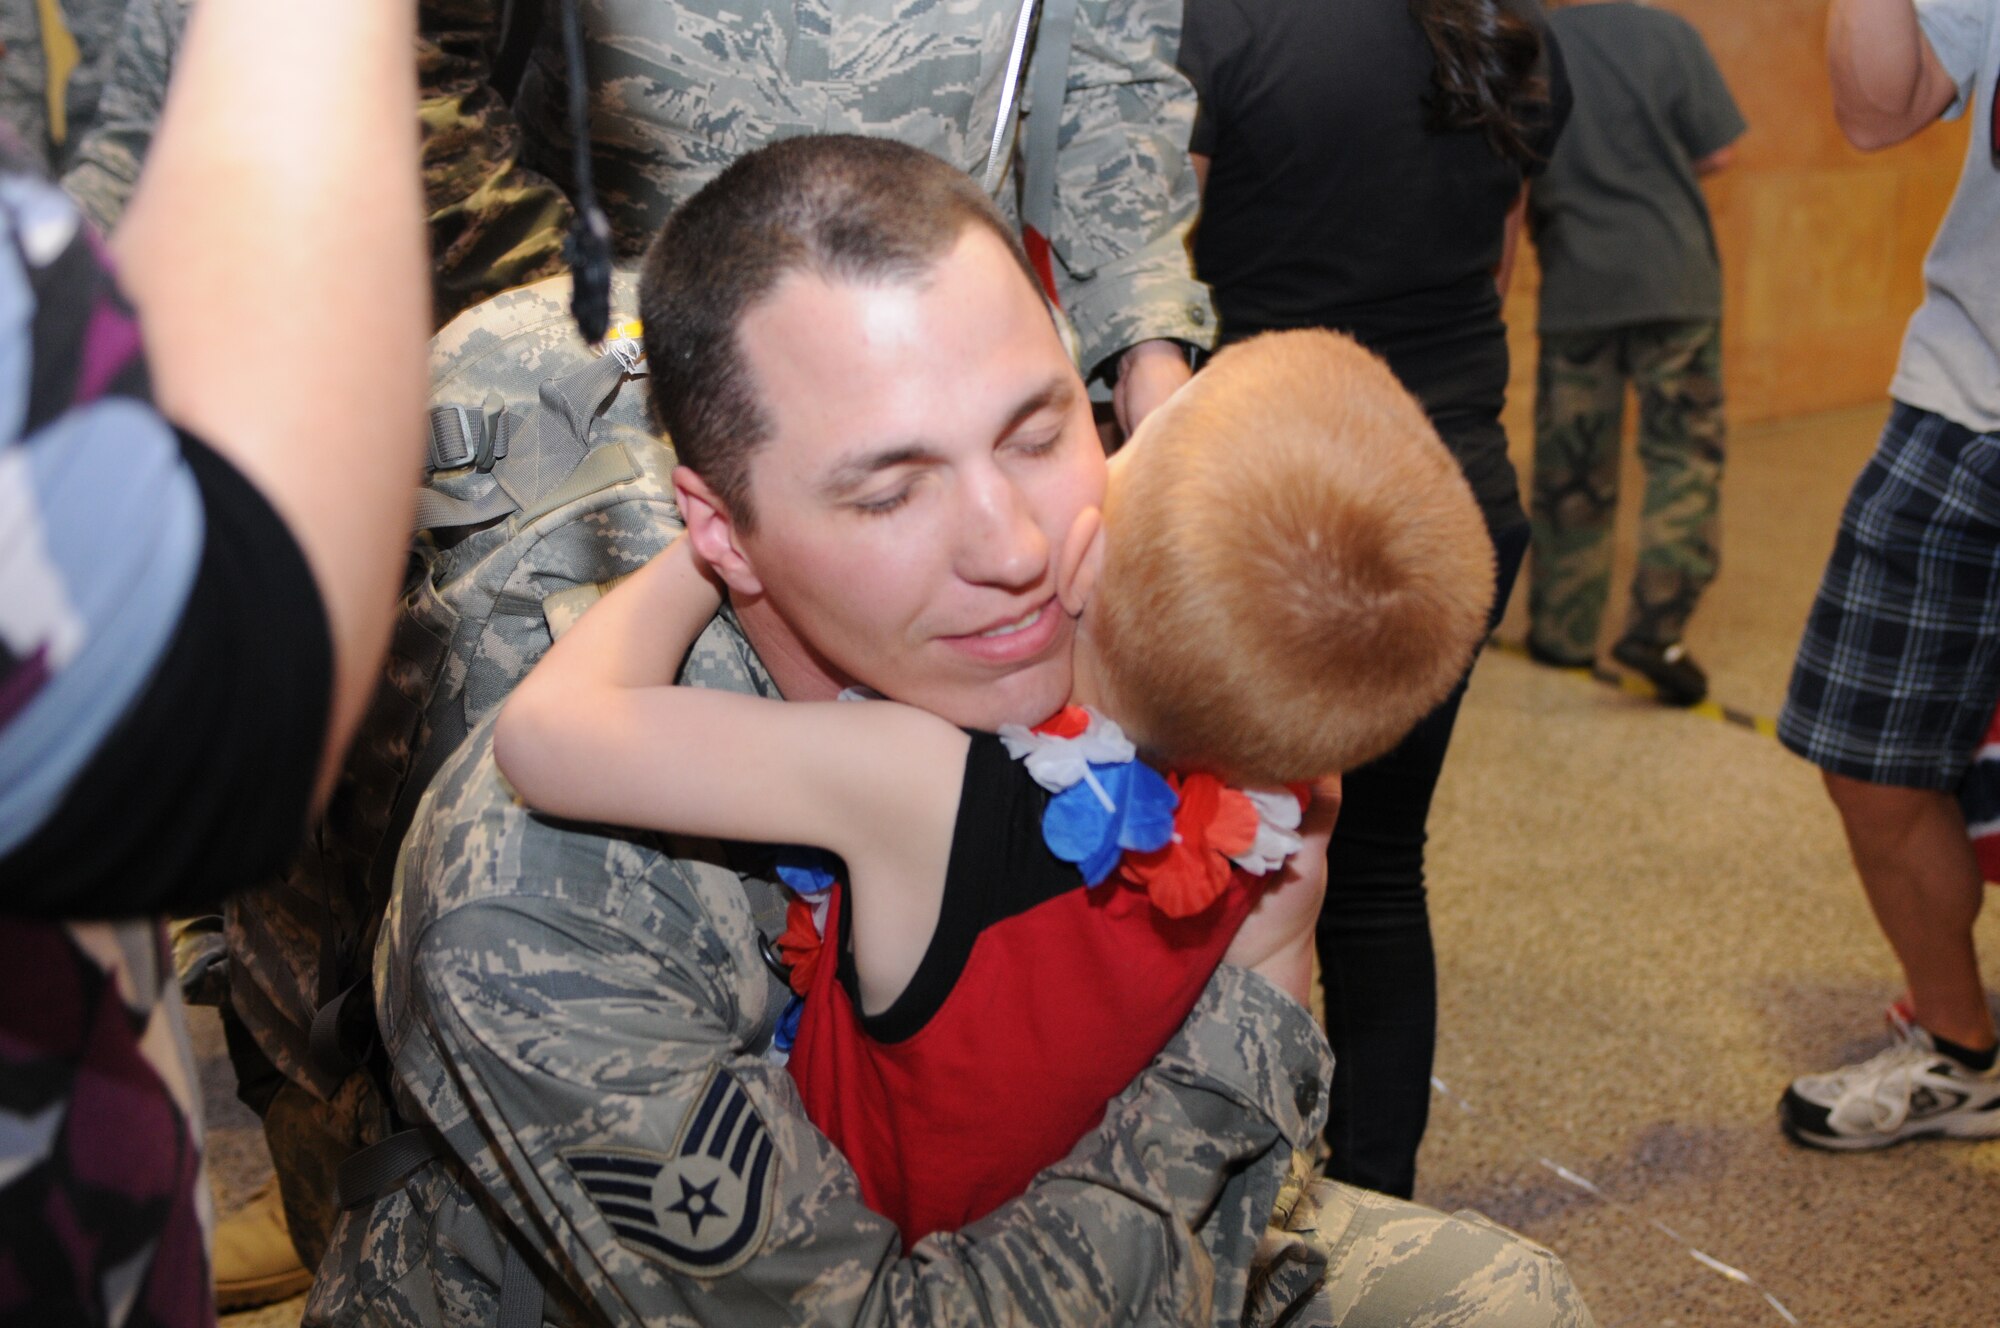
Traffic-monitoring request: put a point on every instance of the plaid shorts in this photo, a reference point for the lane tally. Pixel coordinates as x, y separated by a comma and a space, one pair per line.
1897, 675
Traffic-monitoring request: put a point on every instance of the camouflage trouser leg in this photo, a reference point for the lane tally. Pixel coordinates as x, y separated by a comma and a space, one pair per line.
309, 1139
1579, 412
1579, 416
1342, 1257
1677, 369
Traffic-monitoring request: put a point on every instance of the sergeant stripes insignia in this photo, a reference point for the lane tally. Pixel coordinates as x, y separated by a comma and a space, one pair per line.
702, 1210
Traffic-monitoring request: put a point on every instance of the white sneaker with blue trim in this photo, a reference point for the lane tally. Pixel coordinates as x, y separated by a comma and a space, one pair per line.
1910, 1091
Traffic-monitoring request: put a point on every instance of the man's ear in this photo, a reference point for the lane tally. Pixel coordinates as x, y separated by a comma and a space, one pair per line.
1081, 561
713, 532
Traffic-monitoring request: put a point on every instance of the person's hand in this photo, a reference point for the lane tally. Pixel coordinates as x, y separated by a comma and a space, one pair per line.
1276, 940
1148, 374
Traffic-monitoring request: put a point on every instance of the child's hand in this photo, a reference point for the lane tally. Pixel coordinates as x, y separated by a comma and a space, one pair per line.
1276, 940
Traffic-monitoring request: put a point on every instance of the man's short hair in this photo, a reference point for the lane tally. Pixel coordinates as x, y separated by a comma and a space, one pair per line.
1296, 571
841, 207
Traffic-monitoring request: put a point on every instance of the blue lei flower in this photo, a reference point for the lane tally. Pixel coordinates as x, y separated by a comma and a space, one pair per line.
1080, 828
807, 871
787, 1031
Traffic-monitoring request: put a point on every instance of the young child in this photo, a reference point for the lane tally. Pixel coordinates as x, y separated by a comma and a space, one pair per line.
1289, 571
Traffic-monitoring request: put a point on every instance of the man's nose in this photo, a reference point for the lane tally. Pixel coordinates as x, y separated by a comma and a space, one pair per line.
999, 541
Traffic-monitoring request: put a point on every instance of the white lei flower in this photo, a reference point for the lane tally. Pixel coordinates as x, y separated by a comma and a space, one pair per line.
1061, 763
1278, 815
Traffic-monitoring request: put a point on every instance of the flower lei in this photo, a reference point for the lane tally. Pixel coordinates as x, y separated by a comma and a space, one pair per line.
1173, 836
809, 872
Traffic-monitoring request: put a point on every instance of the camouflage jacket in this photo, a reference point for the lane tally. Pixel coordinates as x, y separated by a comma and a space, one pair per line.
582, 1018
493, 225
681, 90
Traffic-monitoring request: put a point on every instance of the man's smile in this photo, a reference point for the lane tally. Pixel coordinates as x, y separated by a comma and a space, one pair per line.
1012, 640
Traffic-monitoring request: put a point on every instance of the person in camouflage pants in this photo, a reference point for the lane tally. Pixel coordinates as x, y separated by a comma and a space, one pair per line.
1631, 292
1676, 371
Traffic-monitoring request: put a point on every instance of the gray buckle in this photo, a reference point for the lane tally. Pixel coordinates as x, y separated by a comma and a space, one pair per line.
494, 432
456, 435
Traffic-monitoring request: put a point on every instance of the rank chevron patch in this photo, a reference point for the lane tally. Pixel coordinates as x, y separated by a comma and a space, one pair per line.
702, 1210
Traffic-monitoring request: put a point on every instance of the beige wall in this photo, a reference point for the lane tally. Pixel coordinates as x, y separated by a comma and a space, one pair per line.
1822, 246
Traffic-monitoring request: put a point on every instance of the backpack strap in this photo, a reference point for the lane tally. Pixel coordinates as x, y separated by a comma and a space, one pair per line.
1049, 80
526, 458
381, 1169
1010, 90
60, 58
520, 24
521, 1295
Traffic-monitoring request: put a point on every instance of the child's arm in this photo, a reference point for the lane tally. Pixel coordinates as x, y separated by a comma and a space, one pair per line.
598, 731
1276, 940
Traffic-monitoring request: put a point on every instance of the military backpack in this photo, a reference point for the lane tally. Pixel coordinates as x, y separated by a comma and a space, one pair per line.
545, 482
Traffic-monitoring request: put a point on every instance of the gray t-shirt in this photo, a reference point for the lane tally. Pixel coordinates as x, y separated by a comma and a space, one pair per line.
1620, 224
1951, 355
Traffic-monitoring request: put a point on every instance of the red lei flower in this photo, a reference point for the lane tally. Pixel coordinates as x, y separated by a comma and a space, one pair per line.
1213, 823
801, 945
1068, 722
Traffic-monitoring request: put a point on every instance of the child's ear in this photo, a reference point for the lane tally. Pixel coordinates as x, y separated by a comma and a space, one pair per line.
1081, 561
713, 533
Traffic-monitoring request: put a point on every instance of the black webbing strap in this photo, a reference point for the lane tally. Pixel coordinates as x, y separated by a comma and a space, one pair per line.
520, 1291
520, 24
380, 1169
341, 1043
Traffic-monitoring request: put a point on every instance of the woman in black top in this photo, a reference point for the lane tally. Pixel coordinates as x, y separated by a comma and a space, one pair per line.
1363, 165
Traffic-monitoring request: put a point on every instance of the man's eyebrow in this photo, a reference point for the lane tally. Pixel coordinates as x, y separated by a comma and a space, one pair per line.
1057, 392
857, 468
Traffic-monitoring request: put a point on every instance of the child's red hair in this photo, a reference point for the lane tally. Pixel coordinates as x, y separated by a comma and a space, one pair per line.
1295, 568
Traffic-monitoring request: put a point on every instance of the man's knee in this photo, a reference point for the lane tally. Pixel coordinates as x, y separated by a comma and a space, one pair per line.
1402, 1264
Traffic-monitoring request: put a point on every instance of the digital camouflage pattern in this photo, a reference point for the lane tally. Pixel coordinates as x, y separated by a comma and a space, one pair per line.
681, 90
474, 618
493, 225
671, 108
1676, 369
79, 50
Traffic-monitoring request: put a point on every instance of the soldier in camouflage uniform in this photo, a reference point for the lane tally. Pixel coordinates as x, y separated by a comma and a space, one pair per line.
493, 224
1631, 292
698, 83
579, 1022
672, 106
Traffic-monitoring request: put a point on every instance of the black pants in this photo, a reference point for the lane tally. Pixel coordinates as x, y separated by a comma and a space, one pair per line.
1374, 941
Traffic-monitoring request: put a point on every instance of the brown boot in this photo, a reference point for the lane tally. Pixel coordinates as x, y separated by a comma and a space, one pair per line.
255, 1263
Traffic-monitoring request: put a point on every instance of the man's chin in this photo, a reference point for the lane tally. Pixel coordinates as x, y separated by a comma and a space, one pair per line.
1026, 696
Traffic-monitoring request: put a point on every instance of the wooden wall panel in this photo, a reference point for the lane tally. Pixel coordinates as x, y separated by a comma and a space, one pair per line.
1822, 246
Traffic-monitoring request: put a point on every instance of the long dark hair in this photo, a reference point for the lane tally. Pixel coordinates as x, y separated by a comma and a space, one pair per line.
1487, 76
